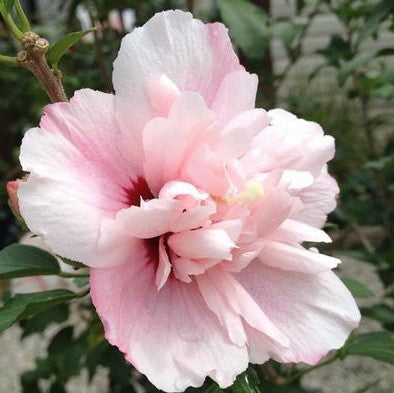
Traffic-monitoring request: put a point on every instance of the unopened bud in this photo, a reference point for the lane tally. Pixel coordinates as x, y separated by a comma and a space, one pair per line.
12, 189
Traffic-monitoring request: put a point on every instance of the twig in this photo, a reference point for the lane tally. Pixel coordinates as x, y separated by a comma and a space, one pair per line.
33, 58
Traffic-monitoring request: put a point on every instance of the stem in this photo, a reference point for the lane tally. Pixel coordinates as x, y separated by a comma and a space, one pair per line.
8, 60
301, 373
11, 26
22, 16
72, 275
83, 293
36, 62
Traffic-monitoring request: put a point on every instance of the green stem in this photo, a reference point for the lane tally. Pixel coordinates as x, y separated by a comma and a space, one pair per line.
8, 60
12, 27
301, 373
83, 293
72, 275
22, 16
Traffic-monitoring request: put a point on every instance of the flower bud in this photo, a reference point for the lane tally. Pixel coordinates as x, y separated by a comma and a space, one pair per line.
12, 189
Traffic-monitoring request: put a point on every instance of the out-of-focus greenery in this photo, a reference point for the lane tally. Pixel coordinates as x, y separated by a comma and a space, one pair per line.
355, 104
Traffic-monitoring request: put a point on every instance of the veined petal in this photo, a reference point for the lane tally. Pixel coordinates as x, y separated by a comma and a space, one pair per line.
295, 258
316, 311
173, 324
194, 56
78, 177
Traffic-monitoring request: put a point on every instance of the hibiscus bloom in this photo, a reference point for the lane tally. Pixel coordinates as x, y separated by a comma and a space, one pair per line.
191, 207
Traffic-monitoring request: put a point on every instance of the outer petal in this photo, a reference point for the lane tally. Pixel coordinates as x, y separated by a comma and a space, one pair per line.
316, 312
186, 338
194, 56
78, 177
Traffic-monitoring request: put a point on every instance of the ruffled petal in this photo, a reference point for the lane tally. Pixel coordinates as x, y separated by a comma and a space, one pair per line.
174, 324
194, 56
168, 142
295, 258
78, 177
317, 312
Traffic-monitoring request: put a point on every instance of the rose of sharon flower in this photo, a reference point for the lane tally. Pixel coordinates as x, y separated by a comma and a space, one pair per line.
191, 207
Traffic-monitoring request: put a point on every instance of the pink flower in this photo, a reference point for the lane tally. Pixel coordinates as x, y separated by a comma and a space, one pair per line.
191, 207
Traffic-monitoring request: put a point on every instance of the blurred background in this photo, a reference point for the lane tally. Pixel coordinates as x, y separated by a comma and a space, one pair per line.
327, 61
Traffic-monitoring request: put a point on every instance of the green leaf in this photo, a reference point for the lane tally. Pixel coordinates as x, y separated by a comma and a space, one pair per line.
380, 164
353, 65
378, 345
39, 322
356, 288
374, 17
337, 49
382, 313
20, 260
22, 306
248, 26
59, 48
247, 382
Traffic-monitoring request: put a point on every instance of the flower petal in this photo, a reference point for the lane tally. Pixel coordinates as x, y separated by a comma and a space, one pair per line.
194, 56
168, 142
239, 84
174, 324
202, 243
78, 177
153, 218
295, 258
317, 312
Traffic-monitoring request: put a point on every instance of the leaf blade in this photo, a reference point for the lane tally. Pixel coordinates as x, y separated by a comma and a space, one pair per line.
20, 260
59, 48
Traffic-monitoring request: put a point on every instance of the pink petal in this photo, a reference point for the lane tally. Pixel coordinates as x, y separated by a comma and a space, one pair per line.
153, 218
318, 200
194, 56
174, 324
202, 243
162, 93
316, 312
168, 142
229, 301
239, 84
292, 231
236, 137
78, 177
293, 144
164, 268
295, 258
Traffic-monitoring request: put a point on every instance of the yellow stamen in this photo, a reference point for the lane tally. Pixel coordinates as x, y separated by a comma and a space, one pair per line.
253, 192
